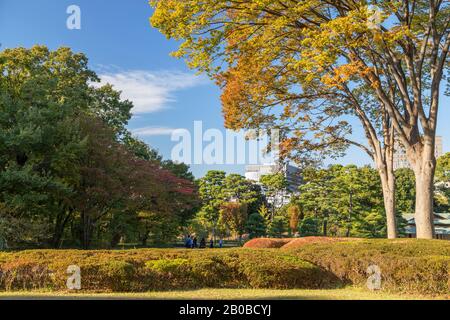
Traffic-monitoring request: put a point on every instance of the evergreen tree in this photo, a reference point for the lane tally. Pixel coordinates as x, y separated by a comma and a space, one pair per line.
277, 227
256, 226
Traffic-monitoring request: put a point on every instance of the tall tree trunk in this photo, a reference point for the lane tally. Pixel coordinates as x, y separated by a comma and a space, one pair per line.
389, 204
60, 225
424, 172
85, 230
115, 240
386, 172
144, 239
58, 231
350, 214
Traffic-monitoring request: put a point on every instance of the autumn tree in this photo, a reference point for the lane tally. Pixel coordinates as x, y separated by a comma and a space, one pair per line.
294, 218
234, 215
305, 66
116, 182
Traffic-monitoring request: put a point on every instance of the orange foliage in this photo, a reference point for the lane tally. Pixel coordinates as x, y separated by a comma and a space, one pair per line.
266, 243
232, 98
287, 145
344, 73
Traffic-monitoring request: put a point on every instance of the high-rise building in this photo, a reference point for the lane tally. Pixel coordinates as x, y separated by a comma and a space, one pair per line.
291, 173
400, 160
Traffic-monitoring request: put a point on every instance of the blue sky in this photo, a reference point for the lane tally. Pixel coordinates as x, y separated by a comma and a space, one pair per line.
123, 48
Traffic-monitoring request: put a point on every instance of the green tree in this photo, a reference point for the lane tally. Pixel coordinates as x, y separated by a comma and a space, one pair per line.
67, 160
181, 170
256, 226
316, 195
345, 200
370, 225
106, 104
140, 149
237, 188
277, 227
42, 94
212, 195
309, 227
442, 184
405, 190
275, 187
443, 168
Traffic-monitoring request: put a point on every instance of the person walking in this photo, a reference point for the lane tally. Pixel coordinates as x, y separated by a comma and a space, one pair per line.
203, 243
188, 242
220, 243
211, 244
194, 243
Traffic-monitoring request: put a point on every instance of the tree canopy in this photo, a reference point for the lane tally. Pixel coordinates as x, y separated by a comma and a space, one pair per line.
306, 66
69, 168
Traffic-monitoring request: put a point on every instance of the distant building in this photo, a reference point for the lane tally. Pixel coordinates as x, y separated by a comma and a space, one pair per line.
291, 173
400, 160
441, 225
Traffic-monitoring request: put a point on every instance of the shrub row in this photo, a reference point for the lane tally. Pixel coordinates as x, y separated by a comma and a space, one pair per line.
407, 265
158, 269
410, 266
300, 242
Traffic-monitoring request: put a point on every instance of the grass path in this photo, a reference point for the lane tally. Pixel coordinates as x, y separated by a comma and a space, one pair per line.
226, 294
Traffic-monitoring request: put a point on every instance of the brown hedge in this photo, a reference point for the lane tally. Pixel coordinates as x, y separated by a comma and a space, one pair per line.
159, 269
266, 243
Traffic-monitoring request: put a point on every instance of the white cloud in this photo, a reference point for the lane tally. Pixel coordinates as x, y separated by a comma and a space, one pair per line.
153, 131
150, 91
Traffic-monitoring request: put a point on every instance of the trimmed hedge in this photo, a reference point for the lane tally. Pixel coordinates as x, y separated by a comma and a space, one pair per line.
407, 265
291, 243
266, 243
161, 269
300, 242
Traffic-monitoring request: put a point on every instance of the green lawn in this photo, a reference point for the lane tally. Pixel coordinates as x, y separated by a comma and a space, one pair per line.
228, 294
